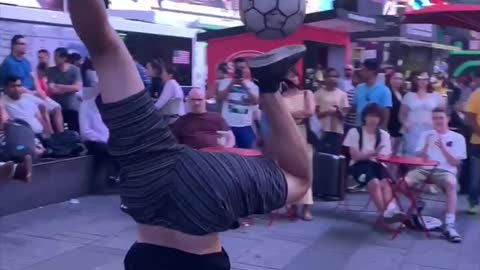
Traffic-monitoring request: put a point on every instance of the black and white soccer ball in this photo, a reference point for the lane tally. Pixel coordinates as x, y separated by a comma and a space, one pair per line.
272, 19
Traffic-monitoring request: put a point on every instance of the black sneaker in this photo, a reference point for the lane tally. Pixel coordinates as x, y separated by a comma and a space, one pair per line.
270, 69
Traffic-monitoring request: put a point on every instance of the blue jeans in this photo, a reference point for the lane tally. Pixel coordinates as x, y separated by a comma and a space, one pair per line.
244, 137
474, 186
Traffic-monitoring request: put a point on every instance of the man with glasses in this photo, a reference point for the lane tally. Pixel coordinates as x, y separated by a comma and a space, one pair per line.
372, 91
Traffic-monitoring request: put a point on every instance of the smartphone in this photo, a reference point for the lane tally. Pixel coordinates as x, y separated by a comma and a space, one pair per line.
238, 74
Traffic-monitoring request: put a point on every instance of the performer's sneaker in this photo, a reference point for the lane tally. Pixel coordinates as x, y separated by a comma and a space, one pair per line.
23, 171
6, 170
270, 69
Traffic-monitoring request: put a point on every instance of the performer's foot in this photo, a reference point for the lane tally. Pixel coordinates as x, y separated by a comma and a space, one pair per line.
270, 69
23, 171
6, 170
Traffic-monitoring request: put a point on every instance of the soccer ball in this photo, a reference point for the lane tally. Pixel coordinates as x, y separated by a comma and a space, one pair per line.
272, 19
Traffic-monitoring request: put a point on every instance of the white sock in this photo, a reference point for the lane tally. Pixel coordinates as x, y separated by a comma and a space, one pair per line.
450, 219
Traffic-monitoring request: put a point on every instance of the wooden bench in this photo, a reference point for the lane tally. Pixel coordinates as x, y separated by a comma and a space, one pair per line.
53, 182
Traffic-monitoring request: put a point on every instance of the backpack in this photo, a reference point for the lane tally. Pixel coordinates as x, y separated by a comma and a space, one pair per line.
19, 140
64, 145
378, 138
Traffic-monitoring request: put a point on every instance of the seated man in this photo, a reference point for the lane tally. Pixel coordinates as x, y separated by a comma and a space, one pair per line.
448, 148
199, 128
8, 169
19, 105
365, 144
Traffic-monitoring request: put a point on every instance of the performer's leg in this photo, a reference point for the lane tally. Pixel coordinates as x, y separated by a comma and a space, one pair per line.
282, 137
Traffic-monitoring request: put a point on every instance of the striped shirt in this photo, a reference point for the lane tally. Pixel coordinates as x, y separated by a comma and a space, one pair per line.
173, 186
351, 118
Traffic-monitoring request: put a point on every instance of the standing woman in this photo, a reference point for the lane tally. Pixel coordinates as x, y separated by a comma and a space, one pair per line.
396, 84
301, 105
416, 112
171, 102
154, 71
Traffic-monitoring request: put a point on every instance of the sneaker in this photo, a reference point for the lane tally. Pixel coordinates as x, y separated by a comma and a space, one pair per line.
6, 170
270, 69
451, 234
397, 217
473, 210
23, 171
357, 188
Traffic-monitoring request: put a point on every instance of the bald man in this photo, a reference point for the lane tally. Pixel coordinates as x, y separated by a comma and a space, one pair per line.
200, 129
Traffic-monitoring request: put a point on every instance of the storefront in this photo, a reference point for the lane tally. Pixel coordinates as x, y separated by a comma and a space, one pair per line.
326, 35
50, 29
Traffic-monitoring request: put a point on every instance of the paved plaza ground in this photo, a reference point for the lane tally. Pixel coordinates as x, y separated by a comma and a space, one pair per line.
95, 235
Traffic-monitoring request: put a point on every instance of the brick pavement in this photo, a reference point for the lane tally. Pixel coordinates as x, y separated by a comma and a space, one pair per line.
94, 235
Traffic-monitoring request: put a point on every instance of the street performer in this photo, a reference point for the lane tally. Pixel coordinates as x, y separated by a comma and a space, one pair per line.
183, 198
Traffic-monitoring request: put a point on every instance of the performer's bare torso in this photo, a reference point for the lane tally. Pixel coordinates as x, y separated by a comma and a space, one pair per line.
159, 236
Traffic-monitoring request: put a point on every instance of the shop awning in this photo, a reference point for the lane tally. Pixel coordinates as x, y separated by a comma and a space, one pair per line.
337, 20
452, 15
411, 42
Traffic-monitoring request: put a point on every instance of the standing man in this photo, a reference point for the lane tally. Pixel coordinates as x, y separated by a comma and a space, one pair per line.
473, 117
64, 81
346, 83
43, 57
331, 107
17, 65
239, 98
372, 91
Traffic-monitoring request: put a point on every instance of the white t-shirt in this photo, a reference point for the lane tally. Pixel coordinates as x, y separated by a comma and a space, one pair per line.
352, 140
453, 141
237, 110
25, 109
172, 91
420, 110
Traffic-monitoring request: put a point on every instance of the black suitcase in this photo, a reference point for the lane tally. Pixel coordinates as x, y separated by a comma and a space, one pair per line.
329, 176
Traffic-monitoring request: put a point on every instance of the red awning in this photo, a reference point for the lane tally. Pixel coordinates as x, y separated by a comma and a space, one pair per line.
453, 15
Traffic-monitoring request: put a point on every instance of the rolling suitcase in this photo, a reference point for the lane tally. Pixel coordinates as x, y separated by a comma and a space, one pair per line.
329, 174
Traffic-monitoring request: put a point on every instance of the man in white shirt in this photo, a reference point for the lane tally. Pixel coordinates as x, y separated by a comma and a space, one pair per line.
19, 105
448, 148
239, 98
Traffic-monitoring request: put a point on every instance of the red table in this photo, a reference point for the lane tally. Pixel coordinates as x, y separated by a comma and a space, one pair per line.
399, 184
238, 151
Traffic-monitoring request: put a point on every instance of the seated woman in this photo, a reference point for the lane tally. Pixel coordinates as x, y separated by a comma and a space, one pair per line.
364, 144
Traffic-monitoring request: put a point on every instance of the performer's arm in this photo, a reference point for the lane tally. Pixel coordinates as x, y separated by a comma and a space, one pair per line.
117, 72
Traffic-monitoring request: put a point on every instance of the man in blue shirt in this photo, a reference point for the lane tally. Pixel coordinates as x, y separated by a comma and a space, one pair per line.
16, 65
372, 91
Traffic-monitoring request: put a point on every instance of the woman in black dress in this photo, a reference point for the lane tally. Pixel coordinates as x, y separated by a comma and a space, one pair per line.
396, 84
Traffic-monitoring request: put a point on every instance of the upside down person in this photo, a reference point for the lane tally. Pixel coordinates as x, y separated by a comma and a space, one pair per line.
182, 198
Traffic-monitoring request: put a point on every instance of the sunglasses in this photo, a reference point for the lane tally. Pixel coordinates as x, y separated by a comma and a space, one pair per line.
21, 43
